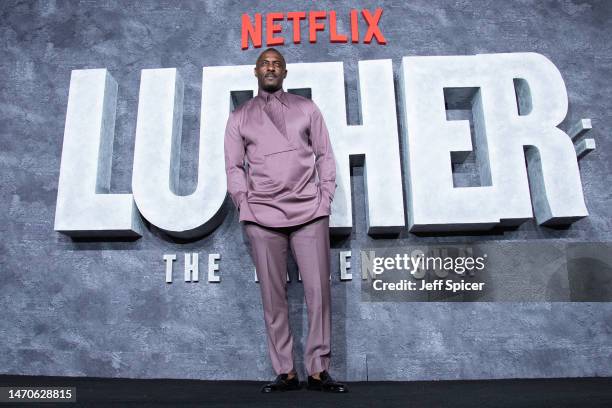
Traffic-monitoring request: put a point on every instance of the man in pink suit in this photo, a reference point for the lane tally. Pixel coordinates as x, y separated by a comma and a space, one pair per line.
281, 176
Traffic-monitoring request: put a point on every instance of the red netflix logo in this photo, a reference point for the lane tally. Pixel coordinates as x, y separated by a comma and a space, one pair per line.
252, 30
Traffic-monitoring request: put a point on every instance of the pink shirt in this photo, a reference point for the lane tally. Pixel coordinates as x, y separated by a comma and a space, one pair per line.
277, 186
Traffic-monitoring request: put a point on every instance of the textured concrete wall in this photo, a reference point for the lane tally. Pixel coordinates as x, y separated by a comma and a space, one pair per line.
101, 308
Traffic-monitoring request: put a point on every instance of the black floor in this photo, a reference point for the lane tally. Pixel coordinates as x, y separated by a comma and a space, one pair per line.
105, 392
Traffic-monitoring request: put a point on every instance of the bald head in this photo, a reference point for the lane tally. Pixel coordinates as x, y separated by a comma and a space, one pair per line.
271, 50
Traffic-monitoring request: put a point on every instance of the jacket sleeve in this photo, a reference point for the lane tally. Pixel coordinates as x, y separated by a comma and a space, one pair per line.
234, 161
324, 155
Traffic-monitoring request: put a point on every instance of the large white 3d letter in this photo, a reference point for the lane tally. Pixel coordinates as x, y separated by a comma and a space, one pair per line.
515, 102
157, 157
84, 207
374, 143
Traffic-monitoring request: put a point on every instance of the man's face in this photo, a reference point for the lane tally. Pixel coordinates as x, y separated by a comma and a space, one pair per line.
270, 71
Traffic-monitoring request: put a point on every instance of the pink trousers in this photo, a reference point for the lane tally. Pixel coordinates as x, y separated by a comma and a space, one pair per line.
309, 245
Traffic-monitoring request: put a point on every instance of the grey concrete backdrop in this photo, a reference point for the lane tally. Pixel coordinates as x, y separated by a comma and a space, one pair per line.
101, 308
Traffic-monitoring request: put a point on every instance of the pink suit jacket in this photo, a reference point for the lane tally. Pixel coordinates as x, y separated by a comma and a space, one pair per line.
272, 177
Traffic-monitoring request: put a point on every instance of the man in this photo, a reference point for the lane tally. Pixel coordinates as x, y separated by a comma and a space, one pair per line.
284, 194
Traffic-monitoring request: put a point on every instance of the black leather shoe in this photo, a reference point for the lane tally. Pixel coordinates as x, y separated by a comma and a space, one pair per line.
326, 383
281, 383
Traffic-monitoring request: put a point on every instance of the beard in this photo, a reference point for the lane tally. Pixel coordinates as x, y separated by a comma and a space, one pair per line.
270, 87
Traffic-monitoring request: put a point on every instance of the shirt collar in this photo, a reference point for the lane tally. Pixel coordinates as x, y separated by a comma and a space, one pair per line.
278, 94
